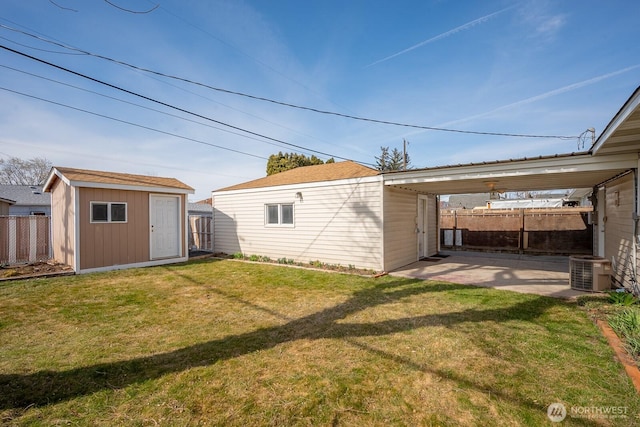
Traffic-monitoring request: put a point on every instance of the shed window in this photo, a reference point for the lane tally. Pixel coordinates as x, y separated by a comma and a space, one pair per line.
279, 214
108, 212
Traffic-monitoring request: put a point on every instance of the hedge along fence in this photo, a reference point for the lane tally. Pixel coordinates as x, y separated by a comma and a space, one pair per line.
542, 230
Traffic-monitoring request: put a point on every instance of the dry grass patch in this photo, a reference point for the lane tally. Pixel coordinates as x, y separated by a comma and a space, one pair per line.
228, 343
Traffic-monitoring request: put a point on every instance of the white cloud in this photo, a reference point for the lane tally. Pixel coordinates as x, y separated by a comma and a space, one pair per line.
550, 26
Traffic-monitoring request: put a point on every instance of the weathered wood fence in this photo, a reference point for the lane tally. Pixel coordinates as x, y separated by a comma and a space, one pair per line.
25, 239
542, 231
201, 233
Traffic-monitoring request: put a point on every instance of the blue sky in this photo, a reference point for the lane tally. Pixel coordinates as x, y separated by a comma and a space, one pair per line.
515, 67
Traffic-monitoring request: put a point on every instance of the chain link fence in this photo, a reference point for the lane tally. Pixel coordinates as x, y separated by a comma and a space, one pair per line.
25, 239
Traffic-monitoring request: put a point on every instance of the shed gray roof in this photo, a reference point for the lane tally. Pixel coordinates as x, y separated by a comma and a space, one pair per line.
25, 195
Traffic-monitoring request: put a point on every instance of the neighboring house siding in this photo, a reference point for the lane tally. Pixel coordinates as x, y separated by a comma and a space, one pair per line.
111, 244
400, 215
29, 210
619, 226
4, 208
336, 222
63, 235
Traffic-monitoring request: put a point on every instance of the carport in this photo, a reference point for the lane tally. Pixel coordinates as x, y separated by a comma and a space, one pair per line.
609, 167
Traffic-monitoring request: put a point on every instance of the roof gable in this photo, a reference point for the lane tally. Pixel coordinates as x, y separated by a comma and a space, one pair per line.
308, 174
102, 179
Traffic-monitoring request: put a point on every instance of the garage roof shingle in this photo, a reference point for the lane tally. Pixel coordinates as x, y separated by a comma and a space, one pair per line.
308, 174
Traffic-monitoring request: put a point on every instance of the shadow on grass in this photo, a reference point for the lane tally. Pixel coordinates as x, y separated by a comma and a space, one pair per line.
46, 387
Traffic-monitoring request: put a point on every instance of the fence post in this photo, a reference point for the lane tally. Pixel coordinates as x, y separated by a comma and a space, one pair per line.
13, 240
33, 239
521, 244
455, 227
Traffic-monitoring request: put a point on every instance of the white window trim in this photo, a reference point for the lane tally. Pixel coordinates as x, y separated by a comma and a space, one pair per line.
108, 221
279, 224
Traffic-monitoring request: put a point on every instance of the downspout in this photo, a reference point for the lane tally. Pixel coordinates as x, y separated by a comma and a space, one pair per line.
438, 223
634, 247
383, 235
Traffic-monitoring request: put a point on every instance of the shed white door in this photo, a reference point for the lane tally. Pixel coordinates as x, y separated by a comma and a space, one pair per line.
165, 226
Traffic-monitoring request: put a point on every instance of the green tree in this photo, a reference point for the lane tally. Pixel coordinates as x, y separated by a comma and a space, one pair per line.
382, 162
16, 171
393, 161
284, 161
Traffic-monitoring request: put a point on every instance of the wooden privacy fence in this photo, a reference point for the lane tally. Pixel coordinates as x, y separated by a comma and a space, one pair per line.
549, 231
201, 233
24, 239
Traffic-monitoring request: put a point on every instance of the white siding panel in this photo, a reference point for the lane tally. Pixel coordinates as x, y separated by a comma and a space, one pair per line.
618, 239
336, 224
433, 218
400, 216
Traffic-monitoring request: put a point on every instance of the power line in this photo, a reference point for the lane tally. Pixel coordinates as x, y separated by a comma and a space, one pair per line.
286, 104
129, 123
129, 10
41, 50
140, 106
169, 84
169, 105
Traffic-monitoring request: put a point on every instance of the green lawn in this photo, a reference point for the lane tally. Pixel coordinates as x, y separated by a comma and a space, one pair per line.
232, 343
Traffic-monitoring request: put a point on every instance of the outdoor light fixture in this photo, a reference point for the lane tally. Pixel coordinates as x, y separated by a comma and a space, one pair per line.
299, 195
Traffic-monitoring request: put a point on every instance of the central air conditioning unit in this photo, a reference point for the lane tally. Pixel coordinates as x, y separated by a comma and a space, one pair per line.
589, 273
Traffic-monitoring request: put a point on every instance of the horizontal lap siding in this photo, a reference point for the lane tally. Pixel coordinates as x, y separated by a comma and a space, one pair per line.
400, 216
335, 224
432, 229
619, 226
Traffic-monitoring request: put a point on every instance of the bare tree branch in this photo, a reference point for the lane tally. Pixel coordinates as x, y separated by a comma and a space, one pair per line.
15, 171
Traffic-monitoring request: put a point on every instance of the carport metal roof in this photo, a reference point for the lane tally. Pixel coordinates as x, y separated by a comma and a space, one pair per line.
614, 152
580, 170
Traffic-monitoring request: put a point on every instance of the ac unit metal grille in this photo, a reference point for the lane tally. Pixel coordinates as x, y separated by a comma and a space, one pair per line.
581, 277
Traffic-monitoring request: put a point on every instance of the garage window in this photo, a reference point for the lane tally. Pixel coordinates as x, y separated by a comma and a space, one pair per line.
280, 214
108, 212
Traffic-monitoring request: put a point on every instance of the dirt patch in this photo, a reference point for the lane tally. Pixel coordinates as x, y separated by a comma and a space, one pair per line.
33, 270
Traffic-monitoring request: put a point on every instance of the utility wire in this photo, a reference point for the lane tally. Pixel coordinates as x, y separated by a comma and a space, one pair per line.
175, 86
42, 61
41, 50
139, 105
129, 123
286, 104
131, 11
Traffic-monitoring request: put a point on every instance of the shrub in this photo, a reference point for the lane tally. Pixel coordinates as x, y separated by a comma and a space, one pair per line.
622, 298
626, 324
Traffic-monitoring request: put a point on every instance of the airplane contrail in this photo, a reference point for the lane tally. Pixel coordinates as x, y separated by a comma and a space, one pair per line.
545, 95
443, 35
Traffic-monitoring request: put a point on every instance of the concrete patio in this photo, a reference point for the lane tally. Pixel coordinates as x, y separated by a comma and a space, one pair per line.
541, 275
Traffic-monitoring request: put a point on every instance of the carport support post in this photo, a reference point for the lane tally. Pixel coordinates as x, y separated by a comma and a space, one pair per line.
455, 226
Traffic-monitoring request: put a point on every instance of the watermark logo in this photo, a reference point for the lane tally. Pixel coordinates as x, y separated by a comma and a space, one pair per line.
556, 412
599, 412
